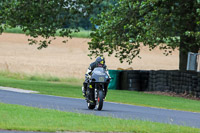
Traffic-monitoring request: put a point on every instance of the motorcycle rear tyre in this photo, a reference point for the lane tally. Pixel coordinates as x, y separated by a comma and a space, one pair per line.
100, 100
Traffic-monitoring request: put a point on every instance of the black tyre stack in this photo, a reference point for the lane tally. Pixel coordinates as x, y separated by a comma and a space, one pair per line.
187, 82
170, 80
162, 81
134, 80
175, 83
184, 82
198, 85
194, 83
144, 80
130, 80
159, 81
152, 81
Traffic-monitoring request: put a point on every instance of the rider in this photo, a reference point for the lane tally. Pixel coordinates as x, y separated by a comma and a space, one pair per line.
100, 62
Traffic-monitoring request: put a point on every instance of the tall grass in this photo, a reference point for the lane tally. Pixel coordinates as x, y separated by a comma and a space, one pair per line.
82, 34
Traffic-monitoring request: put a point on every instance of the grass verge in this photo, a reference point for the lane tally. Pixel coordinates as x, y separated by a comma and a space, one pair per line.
17, 117
82, 34
72, 88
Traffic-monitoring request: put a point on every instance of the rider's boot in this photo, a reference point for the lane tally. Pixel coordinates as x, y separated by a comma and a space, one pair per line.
84, 91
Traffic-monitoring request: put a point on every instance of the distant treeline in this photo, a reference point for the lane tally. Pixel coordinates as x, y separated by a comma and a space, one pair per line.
84, 22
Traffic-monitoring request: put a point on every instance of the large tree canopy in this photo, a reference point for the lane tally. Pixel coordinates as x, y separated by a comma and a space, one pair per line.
167, 24
44, 17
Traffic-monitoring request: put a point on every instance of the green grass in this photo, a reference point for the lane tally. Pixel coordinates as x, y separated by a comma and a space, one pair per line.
17, 117
57, 89
82, 34
71, 87
14, 30
151, 100
40, 77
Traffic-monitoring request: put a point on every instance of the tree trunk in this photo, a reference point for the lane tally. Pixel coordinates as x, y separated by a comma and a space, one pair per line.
182, 58
187, 44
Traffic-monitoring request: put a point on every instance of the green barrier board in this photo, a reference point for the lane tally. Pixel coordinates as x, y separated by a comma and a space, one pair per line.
114, 83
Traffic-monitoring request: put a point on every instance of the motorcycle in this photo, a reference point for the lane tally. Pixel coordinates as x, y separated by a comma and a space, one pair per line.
97, 88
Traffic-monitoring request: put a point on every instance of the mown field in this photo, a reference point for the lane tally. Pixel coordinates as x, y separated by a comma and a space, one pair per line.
70, 59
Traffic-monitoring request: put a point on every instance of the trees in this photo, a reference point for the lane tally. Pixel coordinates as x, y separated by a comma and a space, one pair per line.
44, 17
167, 24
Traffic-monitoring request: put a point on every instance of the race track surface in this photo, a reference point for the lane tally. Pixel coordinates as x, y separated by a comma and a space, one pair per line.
123, 111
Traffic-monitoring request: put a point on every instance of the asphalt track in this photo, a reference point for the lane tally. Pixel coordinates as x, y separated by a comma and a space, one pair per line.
116, 110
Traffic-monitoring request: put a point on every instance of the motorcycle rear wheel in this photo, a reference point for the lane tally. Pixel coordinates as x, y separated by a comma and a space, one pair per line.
100, 100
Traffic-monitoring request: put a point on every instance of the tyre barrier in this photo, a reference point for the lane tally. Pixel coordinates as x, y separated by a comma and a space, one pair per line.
134, 80
186, 82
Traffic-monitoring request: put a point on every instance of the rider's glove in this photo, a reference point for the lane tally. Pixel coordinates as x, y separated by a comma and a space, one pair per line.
108, 75
87, 76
